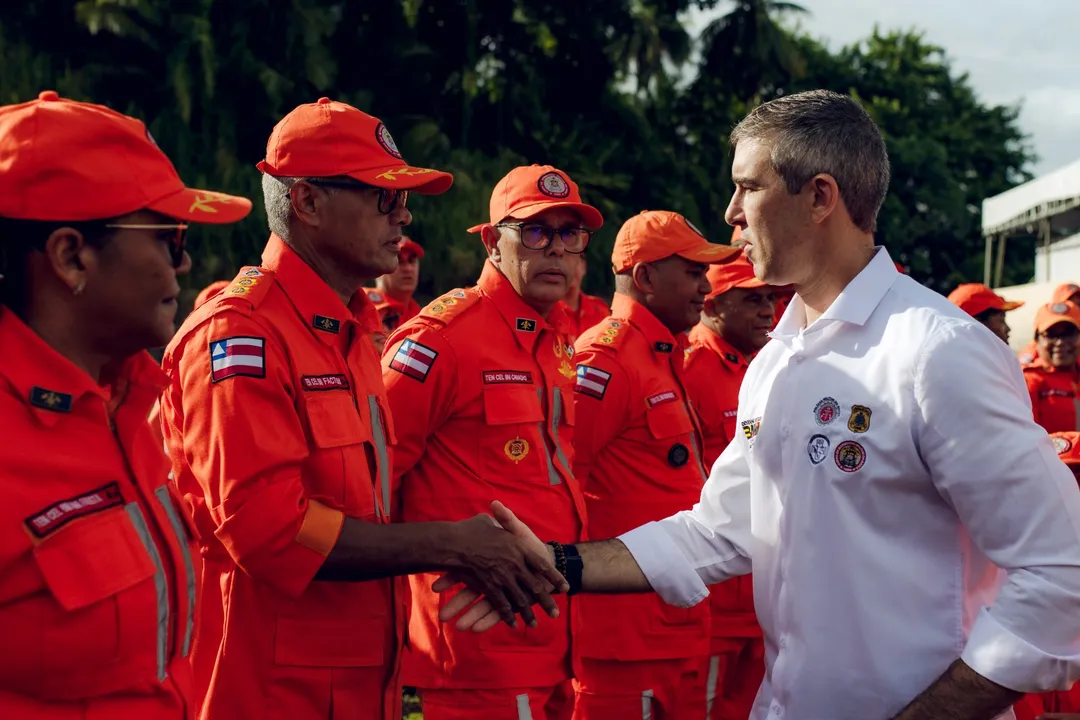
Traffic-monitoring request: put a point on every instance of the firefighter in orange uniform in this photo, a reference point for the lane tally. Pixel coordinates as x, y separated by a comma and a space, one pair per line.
639, 458
480, 384
582, 311
392, 295
738, 315
280, 437
98, 581
985, 305
1052, 376
1066, 292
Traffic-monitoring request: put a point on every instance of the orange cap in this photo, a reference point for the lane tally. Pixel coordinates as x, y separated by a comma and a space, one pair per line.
210, 291
656, 234
529, 190
1064, 292
974, 298
408, 245
1051, 314
738, 273
329, 138
62, 160
1067, 445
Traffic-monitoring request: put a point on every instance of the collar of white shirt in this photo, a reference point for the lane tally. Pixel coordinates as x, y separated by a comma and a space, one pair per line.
854, 305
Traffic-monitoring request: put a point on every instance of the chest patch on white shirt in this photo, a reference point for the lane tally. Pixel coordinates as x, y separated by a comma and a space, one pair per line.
850, 456
750, 429
859, 422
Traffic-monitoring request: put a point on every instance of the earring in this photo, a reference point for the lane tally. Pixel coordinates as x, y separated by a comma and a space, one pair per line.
77, 290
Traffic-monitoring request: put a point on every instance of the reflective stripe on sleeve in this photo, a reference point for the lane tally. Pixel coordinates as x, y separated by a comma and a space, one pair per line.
381, 456
163, 497
161, 590
553, 475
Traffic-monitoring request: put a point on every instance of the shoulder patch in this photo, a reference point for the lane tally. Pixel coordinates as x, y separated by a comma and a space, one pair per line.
447, 307
609, 334
592, 381
249, 286
414, 360
238, 355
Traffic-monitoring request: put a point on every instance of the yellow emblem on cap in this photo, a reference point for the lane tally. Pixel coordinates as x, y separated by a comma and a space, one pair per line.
516, 449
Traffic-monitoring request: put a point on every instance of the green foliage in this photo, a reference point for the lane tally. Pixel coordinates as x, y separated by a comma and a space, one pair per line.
605, 91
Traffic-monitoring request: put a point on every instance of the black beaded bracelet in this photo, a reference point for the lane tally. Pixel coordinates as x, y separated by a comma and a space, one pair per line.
560, 556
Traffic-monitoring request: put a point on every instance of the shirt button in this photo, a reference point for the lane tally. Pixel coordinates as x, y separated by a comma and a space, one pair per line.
798, 359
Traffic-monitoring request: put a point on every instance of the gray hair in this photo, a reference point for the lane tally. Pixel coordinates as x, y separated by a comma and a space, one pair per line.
278, 204
821, 131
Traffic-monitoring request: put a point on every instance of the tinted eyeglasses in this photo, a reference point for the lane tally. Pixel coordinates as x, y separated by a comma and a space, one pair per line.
177, 239
537, 236
389, 200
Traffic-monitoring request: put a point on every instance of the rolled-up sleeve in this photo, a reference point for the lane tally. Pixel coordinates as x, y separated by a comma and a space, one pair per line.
1018, 502
681, 555
244, 443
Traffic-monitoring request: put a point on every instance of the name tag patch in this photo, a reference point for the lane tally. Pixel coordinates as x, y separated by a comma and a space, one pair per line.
500, 377
661, 398
56, 516
314, 383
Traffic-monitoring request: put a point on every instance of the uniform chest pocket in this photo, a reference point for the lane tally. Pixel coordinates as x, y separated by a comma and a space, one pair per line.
339, 470
105, 575
668, 419
511, 445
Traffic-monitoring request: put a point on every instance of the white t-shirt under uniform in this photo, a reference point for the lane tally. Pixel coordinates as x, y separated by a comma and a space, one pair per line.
886, 468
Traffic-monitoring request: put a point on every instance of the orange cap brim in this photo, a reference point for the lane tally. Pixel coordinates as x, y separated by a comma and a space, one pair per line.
1012, 305
405, 177
709, 253
202, 206
590, 216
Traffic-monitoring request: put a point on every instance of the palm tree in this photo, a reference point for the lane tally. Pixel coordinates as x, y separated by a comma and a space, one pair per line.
657, 38
748, 50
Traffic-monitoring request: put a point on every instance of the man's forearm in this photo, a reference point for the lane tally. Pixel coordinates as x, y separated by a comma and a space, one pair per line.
371, 551
960, 694
608, 567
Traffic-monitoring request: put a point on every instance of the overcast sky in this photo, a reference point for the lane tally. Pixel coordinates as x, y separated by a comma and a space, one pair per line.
1027, 52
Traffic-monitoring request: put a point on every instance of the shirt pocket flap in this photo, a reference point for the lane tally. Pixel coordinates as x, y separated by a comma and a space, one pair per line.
93, 559
510, 405
335, 421
668, 419
567, 405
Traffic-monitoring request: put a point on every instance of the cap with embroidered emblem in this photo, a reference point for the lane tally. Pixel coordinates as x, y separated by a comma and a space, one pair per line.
529, 190
329, 138
63, 160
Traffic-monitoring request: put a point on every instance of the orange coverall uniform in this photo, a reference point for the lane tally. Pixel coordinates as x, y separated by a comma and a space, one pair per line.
278, 428
1053, 396
639, 458
481, 389
591, 310
714, 372
97, 577
392, 314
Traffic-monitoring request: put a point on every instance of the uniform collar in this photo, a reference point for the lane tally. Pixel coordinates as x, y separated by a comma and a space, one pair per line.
1038, 364
315, 301
714, 341
855, 303
51, 385
656, 333
522, 319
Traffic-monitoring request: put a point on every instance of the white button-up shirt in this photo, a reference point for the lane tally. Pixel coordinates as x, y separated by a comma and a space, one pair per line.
887, 467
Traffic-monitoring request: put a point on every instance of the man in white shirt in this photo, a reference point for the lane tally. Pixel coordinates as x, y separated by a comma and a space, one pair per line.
888, 466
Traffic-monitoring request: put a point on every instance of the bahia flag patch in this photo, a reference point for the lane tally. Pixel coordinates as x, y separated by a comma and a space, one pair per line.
414, 360
591, 381
234, 356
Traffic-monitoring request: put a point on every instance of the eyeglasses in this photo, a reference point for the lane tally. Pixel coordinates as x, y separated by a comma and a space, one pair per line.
1065, 337
176, 244
535, 236
389, 200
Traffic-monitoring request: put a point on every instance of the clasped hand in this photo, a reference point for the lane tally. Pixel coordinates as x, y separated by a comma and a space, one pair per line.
495, 587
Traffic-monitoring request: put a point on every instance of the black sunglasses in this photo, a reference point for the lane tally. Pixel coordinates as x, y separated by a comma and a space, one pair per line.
389, 200
177, 243
537, 236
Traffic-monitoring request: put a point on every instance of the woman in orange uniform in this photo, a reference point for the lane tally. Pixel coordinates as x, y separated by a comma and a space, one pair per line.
1052, 376
97, 574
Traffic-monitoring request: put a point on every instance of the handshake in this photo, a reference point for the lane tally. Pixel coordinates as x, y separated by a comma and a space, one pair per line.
506, 572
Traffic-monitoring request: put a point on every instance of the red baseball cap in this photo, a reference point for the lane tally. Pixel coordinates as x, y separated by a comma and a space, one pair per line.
329, 138
1064, 292
62, 160
1067, 444
1052, 313
529, 190
975, 298
408, 245
656, 234
737, 273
